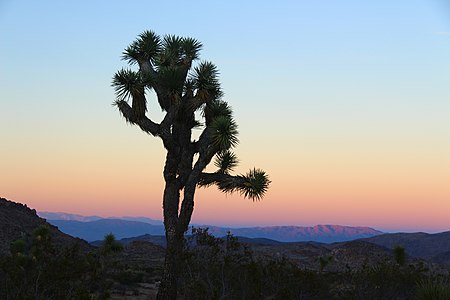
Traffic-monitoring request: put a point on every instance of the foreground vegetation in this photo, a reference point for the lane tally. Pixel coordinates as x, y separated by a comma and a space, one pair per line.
225, 269
212, 268
38, 269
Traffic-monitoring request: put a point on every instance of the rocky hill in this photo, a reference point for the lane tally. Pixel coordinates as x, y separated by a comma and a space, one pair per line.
17, 221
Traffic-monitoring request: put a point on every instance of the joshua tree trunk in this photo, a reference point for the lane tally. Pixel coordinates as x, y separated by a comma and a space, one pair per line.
175, 222
171, 200
168, 287
165, 68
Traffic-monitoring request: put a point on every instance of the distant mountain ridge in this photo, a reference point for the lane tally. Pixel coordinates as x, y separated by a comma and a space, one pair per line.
92, 229
75, 217
96, 230
68, 217
318, 233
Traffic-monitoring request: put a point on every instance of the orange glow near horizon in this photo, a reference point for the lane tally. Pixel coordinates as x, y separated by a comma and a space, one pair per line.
392, 188
305, 192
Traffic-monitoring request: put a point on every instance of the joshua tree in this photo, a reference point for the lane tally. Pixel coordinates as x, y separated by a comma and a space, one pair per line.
165, 67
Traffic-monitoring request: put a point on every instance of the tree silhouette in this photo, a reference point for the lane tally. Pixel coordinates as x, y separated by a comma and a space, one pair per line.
399, 255
165, 67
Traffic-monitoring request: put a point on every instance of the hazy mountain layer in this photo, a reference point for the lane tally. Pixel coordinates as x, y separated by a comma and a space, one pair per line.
318, 233
96, 230
74, 217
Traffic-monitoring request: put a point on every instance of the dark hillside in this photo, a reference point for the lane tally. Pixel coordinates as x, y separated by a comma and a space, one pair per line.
418, 244
17, 221
442, 259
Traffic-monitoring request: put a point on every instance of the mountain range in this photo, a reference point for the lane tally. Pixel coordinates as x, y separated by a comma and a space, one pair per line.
433, 247
94, 228
75, 217
17, 220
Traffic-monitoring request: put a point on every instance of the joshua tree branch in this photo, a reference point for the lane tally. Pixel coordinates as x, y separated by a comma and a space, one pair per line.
203, 142
187, 205
147, 70
221, 178
147, 125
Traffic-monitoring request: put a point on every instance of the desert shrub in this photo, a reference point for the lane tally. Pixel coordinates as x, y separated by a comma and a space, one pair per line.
129, 276
215, 268
386, 281
433, 290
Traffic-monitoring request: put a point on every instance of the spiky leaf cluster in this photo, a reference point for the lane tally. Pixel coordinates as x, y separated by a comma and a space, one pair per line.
226, 161
127, 83
171, 54
215, 109
146, 47
191, 48
224, 133
171, 78
254, 184
206, 82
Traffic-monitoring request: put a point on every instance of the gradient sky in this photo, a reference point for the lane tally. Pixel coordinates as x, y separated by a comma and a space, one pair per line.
346, 104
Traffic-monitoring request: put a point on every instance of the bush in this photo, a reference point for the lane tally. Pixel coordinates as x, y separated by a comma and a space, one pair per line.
215, 268
433, 290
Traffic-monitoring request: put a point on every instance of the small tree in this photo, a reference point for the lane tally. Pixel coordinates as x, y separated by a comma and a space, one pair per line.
165, 66
399, 255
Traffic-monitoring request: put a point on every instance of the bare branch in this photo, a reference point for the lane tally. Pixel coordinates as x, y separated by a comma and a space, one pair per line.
208, 179
206, 152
